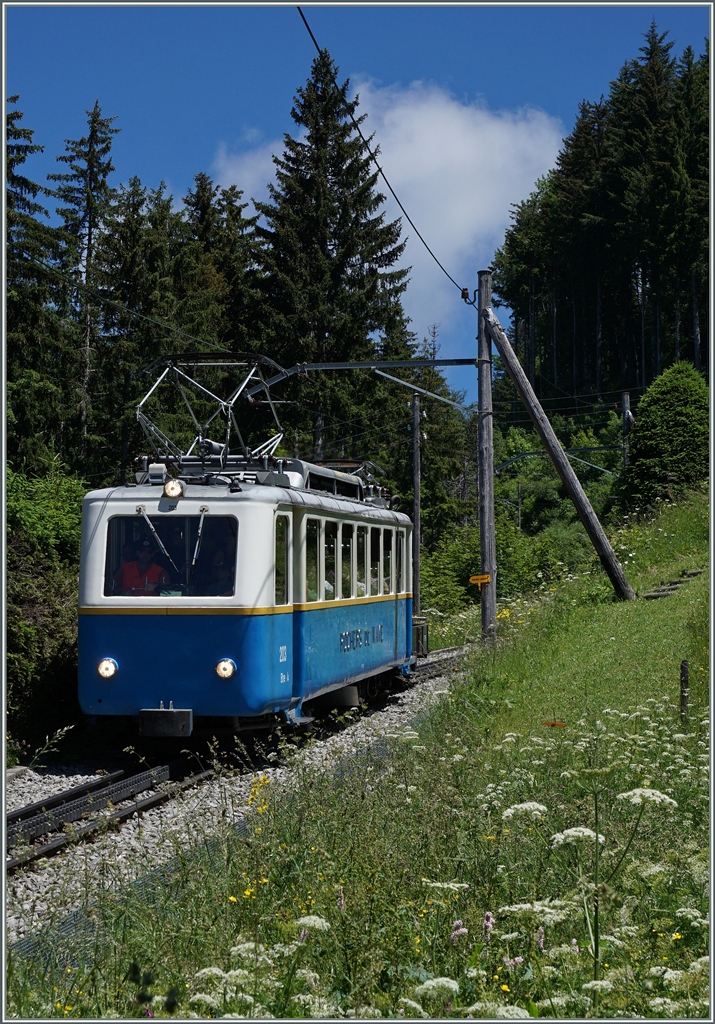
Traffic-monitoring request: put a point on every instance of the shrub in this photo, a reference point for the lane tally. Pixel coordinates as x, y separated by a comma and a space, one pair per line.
43, 523
669, 448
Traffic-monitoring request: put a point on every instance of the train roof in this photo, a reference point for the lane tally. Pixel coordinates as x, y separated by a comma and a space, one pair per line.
271, 481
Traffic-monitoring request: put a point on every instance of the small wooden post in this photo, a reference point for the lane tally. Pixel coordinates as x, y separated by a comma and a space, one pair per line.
571, 482
417, 483
487, 542
628, 421
684, 691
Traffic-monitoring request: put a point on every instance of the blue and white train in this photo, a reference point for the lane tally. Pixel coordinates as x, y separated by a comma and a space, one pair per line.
235, 594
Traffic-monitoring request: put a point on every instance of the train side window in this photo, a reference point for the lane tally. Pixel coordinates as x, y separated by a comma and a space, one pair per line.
399, 566
312, 559
375, 560
360, 561
346, 560
282, 560
330, 532
387, 561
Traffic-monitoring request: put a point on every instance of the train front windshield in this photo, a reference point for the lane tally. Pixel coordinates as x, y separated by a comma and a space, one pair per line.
175, 556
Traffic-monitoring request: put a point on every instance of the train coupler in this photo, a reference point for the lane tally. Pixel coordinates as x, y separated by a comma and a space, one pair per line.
163, 721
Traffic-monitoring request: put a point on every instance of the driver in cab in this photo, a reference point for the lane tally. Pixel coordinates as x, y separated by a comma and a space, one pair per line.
142, 577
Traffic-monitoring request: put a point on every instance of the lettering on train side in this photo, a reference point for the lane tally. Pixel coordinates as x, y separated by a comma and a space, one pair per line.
353, 639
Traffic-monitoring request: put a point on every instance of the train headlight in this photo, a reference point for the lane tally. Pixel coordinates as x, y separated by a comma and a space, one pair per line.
225, 668
107, 668
173, 488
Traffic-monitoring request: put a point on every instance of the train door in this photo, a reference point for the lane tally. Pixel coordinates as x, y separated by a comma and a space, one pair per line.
283, 604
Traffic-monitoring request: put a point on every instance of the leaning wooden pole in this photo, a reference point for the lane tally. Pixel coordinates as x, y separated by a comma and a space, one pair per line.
588, 517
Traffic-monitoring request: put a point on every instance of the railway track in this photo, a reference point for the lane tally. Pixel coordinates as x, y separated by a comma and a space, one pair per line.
45, 827
55, 816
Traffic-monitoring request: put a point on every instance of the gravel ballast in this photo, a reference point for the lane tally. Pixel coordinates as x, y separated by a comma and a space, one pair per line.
50, 890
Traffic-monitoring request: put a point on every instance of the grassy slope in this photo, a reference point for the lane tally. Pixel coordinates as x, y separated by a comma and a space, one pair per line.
434, 810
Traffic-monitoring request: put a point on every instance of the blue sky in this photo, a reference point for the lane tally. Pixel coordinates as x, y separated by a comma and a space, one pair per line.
469, 103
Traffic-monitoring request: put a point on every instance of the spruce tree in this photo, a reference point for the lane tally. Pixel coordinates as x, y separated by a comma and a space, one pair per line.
134, 267
328, 256
217, 266
86, 196
34, 337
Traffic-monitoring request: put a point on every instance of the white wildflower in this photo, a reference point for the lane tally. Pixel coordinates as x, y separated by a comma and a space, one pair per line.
436, 987
484, 1008
613, 940
285, 949
244, 997
689, 914
306, 975
475, 973
672, 977
647, 796
700, 966
547, 911
209, 972
313, 921
454, 886
509, 937
204, 999
575, 835
603, 986
556, 1001
512, 1013
657, 972
667, 1005
647, 870
239, 976
530, 810
248, 949
410, 1004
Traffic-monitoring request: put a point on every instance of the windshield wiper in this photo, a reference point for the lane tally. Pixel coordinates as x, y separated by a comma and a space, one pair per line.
203, 510
142, 512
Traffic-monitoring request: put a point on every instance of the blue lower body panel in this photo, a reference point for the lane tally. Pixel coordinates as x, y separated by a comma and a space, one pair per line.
281, 659
174, 657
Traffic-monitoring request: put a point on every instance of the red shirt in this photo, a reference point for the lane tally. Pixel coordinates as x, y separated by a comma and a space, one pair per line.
134, 579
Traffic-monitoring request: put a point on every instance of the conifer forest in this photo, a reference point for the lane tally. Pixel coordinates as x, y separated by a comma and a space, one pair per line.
604, 267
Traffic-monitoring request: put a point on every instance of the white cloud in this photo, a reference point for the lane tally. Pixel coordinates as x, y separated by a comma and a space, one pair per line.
456, 167
250, 171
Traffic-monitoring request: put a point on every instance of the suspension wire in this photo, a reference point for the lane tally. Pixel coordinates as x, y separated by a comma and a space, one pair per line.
118, 305
380, 170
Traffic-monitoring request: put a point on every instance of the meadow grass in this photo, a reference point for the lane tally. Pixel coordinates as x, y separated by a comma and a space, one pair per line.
535, 845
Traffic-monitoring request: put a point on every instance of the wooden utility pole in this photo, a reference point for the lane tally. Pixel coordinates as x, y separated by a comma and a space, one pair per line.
417, 483
588, 517
487, 543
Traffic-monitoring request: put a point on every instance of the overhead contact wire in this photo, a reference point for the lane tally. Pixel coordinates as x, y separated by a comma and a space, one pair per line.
381, 172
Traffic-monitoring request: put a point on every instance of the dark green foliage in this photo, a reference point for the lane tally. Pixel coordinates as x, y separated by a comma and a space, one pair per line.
43, 521
605, 265
669, 447
524, 563
35, 342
